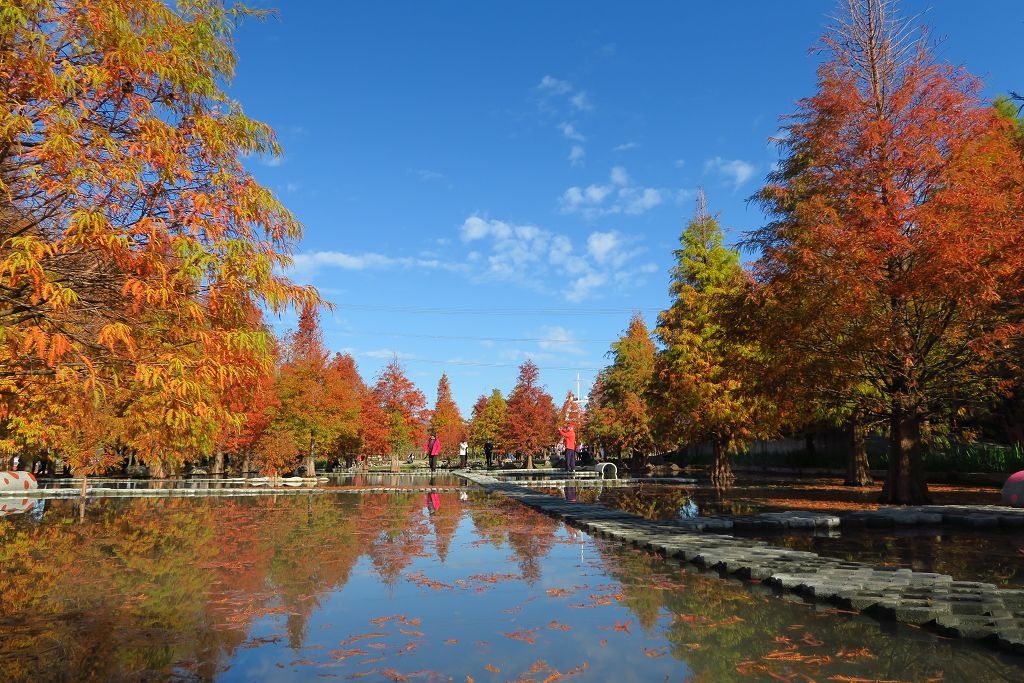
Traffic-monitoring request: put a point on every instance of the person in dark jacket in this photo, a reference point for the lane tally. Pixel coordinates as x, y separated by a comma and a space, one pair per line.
488, 452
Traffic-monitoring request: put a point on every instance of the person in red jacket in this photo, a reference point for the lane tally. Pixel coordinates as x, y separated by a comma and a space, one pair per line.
432, 450
569, 434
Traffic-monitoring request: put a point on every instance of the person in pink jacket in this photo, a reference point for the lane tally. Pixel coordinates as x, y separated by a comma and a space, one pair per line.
569, 434
433, 450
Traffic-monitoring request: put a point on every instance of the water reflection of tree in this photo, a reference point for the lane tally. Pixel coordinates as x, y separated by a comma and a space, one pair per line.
179, 583
445, 521
531, 536
657, 504
726, 630
401, 531
528, 533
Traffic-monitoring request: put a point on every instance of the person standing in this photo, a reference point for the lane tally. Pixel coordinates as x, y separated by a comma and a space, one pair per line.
488, 451
433, 450
463, 455
569, 434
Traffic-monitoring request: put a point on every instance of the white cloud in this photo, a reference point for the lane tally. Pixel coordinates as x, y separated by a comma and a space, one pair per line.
625, 146
619, 176
735, 170
620, 195
576, 155
305, 266
570, 132
426, 175
557, 338
679, 163
539, 259
338, 259
580, 101
601, 244
386, 353
554, 85
272, 161
584, 285
292, 187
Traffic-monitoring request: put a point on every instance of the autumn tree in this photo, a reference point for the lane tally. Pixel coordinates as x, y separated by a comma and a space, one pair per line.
571, 412
625, 392
446, 421
488, 420
895, 244
404, 408
597, 417
530, 415
698, 380
319, 404
136, 253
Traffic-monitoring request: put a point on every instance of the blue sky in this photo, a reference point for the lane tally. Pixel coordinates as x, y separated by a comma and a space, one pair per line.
485, 182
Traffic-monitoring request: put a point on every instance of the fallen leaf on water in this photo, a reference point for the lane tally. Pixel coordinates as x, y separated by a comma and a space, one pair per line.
526, 635
363, 636
451, 641
623, 626
407, 632
538, 666
811, 640
654, 653
554, 625
493, 669
603, 643
393, 675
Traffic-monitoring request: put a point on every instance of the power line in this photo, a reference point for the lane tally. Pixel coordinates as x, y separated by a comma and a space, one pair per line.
494, 311
473, 363
353, 333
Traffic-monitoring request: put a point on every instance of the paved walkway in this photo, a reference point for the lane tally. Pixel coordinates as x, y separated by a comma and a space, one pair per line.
964, 609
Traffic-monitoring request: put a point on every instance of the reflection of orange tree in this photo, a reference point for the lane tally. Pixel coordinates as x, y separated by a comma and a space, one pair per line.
724, 631
659, 503
179, 582
134, 570
402, 529
531, 536
489, 520
314, 551
529, 533
445, 521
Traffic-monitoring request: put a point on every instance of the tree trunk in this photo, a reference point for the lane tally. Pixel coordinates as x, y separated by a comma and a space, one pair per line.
156, 468
529, 460
904, 483
721, 470
310, 459
218, 461
858, 471
246, 464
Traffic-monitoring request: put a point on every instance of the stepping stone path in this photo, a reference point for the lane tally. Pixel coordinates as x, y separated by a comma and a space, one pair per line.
964, 609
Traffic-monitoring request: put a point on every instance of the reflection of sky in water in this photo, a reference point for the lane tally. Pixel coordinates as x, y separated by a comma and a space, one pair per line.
474, 613
158, 586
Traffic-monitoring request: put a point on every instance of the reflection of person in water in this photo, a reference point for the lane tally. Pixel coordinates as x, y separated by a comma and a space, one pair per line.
689, 510
433, 502
570, 494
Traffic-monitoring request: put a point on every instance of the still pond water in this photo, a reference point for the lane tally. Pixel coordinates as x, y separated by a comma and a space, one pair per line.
406, 587
995, 556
